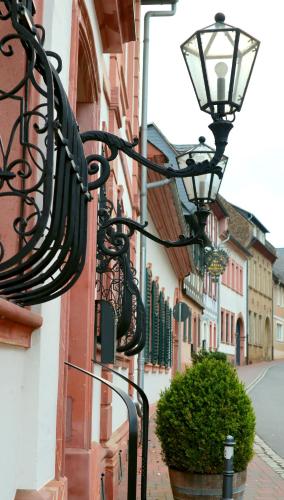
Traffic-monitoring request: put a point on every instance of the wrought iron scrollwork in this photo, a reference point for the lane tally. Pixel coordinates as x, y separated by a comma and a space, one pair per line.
117, 144
44, 171
117, 282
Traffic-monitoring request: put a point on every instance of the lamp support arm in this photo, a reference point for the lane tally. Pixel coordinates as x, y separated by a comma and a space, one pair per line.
116, 144
119, 240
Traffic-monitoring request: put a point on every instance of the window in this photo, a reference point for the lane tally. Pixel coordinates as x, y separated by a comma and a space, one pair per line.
255, 329
254, 275
279, 332
222, 326
259, 330
185, 330
215, 337
232, 329
251, 337
210, 337
241, 281
237, 283
227, 329
194, 333
189, 339
233, 276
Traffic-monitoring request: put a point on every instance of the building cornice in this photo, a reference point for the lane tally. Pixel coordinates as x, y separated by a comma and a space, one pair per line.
17, 324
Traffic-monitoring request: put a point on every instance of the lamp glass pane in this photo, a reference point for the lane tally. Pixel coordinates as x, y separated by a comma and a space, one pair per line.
202, 183
215, 187
192, 58
246, 55
218, 49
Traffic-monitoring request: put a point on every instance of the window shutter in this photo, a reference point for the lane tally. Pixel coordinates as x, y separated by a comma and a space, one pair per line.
155, 323
161, 328
199, 328
148, 314
189, 338
171, 338
168, 335
185, 330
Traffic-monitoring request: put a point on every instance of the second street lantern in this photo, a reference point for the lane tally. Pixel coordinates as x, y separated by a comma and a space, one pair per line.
203, 188
220, 59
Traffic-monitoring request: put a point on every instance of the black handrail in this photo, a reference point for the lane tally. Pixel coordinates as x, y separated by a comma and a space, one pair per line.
133, 430
145, 427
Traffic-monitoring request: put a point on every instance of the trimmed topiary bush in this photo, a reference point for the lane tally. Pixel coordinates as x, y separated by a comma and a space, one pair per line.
196, 413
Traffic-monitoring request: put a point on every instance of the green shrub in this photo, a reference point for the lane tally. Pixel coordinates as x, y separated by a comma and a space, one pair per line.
196, 413
197, 357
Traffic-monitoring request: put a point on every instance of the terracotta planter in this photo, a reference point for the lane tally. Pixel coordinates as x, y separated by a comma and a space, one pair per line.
186, 485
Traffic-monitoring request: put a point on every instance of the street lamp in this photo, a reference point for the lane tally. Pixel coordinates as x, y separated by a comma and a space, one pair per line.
203, 188
220, 60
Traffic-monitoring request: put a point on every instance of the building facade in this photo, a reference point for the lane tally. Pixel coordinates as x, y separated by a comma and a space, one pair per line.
232, 338
278, 305
260, 297
60, 436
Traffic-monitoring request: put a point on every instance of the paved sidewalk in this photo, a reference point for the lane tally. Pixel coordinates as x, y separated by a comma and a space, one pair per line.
263, 483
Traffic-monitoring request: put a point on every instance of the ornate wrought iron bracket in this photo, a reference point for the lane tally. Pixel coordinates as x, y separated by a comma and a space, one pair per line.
220, 130
48, 177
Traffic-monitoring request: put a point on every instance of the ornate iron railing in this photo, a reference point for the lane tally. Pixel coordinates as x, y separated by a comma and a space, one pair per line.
133, 430
145, 426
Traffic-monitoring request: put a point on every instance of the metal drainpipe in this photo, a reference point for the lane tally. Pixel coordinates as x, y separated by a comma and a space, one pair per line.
143, 192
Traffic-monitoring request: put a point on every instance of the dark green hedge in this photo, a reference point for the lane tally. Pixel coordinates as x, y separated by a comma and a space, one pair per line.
201, 407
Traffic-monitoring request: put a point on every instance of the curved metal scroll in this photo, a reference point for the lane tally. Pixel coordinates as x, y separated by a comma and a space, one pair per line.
133, 225
117, 144
46, 175
133, 429
145, 427
117, 283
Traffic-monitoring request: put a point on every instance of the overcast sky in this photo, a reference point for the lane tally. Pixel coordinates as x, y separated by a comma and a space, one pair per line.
254, 177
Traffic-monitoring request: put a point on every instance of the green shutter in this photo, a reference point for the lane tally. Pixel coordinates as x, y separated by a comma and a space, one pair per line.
189, 339
148, 314
185, 330
171, 338
168, 336
155, 323
161, 329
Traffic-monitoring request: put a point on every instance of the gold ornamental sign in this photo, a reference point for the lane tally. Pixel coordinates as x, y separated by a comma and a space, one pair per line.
215, 262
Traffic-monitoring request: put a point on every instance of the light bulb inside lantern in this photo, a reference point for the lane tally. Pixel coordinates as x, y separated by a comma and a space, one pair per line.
221, 69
